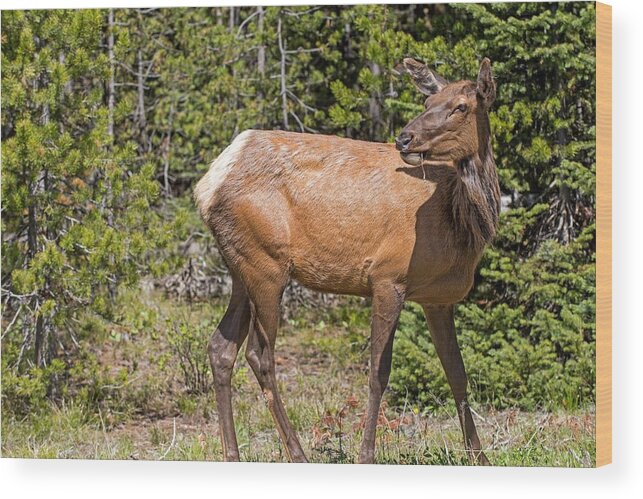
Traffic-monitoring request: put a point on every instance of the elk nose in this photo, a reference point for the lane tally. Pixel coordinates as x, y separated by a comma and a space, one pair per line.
403, 140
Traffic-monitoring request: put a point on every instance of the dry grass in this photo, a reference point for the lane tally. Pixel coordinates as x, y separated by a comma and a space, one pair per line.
511, 438
322, 371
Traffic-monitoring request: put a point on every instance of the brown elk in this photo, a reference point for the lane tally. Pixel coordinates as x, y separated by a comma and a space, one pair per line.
359, 218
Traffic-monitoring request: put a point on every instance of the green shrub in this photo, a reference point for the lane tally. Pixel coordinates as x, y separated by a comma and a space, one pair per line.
417, 375
189, 342
25, 393
531, 348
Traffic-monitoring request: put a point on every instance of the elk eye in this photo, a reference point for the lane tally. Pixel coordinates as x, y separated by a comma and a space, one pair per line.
462, 108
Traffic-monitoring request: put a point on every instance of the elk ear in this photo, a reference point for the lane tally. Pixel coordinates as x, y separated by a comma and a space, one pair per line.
426, 81
485, 87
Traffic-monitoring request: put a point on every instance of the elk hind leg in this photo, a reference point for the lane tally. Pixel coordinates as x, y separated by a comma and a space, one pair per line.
265, 304
222, 350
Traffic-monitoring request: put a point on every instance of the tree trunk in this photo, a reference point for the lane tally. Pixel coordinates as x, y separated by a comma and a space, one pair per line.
282, 73
40, 330
111, 91
232, 25
261, 52
166, 165
140, 111
374, 109
111, 104
348, 50
32, 250
231, 19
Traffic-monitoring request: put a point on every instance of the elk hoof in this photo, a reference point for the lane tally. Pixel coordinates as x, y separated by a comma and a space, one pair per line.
482, 459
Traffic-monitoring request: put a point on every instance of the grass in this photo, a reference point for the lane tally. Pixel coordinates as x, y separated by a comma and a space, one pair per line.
511, 438
322, 367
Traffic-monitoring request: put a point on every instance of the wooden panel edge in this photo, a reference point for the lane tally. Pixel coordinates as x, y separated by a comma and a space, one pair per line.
603, 234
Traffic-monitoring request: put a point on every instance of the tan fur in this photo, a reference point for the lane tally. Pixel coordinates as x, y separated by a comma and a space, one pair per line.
336, 213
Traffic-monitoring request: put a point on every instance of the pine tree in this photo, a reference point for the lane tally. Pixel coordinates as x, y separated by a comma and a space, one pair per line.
103, 110
528, 327
77, 216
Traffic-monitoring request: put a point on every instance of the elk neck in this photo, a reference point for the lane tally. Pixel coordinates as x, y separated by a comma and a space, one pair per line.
475, 198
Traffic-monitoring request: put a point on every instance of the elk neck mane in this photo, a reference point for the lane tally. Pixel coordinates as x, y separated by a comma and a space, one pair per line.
475, 198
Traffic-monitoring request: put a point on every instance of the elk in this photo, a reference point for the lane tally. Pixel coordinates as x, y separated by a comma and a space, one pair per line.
393, 222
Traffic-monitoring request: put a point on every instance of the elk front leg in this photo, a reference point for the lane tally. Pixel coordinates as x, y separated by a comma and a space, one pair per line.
387, 305
442, 329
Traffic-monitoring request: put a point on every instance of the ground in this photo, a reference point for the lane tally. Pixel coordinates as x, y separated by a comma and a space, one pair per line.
157, 403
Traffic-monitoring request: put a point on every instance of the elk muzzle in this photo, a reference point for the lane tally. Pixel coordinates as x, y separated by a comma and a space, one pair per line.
403, 144
403, 141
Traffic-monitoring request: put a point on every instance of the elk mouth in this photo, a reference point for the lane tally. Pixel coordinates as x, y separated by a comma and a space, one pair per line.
412, 158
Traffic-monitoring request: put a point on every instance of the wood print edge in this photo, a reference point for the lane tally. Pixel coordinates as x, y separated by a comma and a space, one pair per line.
603, 234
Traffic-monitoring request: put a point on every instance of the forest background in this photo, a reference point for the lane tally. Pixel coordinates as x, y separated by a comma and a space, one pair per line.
111, 285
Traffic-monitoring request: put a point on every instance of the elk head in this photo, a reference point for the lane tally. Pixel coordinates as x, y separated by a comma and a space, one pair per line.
454, 124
